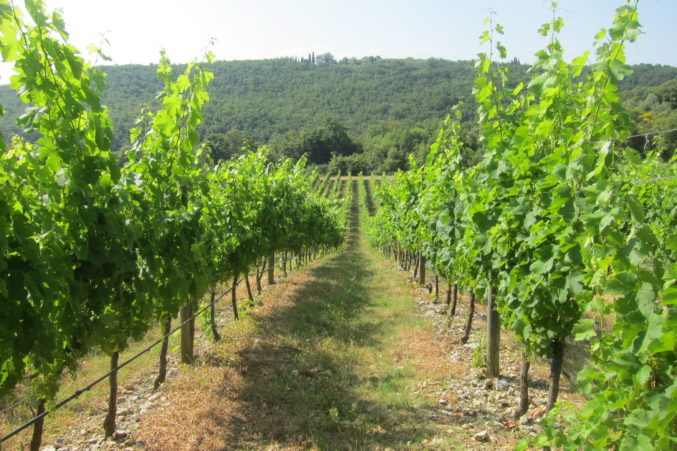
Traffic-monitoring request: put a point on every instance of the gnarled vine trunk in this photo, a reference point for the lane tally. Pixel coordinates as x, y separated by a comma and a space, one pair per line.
524, 386
471, 313
233, 299
109, 423
259, 275
555, 371
212, 317
38, 426
162, 370
249, 289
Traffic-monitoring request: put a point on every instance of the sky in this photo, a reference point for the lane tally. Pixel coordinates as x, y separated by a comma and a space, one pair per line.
136, 30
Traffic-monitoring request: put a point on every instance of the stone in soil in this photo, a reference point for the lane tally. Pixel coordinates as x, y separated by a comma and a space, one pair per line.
502, 385
482, 436
120, 435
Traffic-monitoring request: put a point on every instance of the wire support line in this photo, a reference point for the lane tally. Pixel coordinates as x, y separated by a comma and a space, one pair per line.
655, 179
16, 403
657, 132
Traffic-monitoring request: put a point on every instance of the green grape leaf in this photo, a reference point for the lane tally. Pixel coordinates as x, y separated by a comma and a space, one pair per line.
584, 329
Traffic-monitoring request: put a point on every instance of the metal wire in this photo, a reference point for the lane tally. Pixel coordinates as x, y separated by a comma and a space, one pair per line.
8, 408
657, 132
655, 179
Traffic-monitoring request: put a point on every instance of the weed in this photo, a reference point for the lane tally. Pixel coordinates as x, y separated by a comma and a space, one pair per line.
479, 354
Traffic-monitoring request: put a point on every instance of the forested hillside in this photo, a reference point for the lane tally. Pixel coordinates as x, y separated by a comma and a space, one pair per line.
388, 107
263, 98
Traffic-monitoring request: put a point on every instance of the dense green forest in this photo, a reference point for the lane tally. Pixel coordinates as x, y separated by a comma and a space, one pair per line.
367, 113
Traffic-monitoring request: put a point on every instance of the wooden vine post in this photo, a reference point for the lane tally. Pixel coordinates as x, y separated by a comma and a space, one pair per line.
421, 271
271, 269
493, 335
186, 334
524, 386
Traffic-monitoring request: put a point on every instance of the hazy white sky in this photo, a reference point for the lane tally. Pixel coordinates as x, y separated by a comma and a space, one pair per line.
253, 29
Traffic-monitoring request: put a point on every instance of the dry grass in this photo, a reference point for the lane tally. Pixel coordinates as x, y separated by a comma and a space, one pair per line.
207, 408
418, 346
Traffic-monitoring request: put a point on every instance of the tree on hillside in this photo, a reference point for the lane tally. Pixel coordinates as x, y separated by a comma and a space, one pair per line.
350, 164
226, 146
327, 58
318, 144
388, 144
